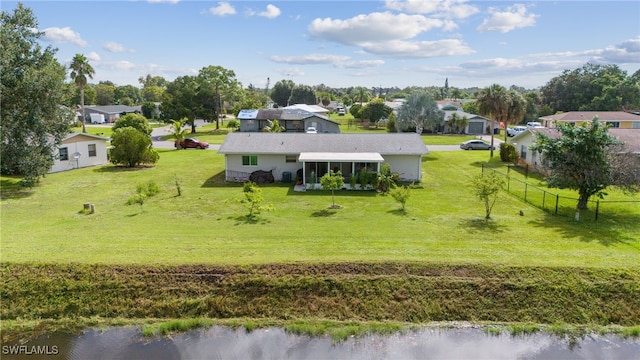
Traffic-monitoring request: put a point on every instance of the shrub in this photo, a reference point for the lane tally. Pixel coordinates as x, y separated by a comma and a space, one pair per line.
401, 195
508, 153
233, 124
132, 148
135, 121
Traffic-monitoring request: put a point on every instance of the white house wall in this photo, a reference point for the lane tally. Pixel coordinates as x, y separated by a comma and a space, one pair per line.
407, 166
277, 163
84, 160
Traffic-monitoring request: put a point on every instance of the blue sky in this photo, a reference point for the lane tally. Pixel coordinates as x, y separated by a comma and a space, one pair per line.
344, 43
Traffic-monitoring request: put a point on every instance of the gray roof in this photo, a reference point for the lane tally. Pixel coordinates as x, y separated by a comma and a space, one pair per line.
279, 114
295, 143
460, 113
113, 109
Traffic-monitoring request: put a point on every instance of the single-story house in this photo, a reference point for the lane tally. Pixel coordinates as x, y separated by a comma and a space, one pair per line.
79, 150
617, 119
293, 120
316, 109
286, 153
111, 113
524, 140
477, 124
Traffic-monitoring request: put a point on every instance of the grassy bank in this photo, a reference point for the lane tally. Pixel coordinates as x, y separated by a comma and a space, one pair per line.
359, 292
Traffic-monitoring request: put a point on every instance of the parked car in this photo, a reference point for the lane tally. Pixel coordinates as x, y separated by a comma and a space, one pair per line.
513, 131
534, 124
311, 130
192, 143
341, 112
475, 145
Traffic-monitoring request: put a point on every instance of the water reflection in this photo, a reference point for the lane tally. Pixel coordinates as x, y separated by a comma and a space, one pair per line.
273, 343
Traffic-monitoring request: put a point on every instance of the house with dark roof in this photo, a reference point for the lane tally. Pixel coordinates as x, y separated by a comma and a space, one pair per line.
285, 154
293, 120
111, 112
616, 119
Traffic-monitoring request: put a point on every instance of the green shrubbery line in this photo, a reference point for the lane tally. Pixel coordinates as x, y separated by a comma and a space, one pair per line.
395, 292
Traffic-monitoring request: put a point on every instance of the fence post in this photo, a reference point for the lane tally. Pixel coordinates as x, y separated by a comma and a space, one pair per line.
557, 198
544, 193
525, 192
597, 208
483, 169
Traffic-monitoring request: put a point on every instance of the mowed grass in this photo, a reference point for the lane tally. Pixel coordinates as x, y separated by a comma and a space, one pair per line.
443, 222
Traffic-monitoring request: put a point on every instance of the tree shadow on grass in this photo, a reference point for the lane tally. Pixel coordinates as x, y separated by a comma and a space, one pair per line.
324, 213
399, 212
11, 189
482, 225
249, 220
607, 230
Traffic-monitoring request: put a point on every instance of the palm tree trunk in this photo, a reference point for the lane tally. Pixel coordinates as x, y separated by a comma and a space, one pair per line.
84, 129
491, 131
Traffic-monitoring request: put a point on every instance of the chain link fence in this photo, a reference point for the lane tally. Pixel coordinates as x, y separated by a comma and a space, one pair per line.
557, 204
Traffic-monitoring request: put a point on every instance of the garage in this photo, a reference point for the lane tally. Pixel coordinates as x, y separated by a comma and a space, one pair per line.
476, 127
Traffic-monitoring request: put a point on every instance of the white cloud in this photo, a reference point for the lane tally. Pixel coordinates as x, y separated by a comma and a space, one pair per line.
93, 56
223, 9
450, 9
373, 27
337, 61
62, 35
627, 52
514, 17
119, 65
418, 49
115, 47
271, 12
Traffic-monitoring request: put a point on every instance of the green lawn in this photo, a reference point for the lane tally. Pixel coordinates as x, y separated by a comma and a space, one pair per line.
207, 224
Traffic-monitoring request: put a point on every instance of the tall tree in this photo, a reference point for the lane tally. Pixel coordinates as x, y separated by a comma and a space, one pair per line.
153, 87
587, 159
420, 111
80, 70
32, 87
215, 84
375, 110
492, 101
179, 101
516, 108
281, 92
105, 94
128, 91
361, 94
303, 94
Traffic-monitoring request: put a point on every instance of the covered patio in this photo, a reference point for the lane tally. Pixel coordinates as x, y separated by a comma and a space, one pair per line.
316, 164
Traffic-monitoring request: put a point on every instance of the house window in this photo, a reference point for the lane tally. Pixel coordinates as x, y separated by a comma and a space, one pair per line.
64, 154
291, 158
250, 160
92, 150
614, 124
523, 151
636, 125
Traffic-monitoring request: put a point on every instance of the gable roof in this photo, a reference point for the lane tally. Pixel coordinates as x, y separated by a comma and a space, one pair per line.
279, 114
589, 115
295, 143
630, 137
113, 109
78, 136
460, 113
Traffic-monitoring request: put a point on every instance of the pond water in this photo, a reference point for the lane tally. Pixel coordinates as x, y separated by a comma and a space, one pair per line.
274, 343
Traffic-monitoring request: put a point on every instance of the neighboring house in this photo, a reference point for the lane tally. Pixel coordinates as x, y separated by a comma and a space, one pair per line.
79, 150
478, 125
316, 109
292, 120
316, 154
111, 112
617, 119
524, 140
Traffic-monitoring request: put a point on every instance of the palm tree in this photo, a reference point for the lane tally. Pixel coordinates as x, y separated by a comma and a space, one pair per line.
492, 101
361, 93
517, 107
80, 70
178, 132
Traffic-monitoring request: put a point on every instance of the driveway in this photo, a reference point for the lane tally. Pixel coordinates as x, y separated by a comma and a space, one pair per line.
159, 132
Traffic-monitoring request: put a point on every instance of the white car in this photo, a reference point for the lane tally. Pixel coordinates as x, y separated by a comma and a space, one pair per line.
311, 130
513, 131
534, 124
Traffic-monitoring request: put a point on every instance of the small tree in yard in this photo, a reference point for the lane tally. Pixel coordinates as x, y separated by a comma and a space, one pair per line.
332, 181
144, 191
178, 132
253, 197
401, 194
486, 187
